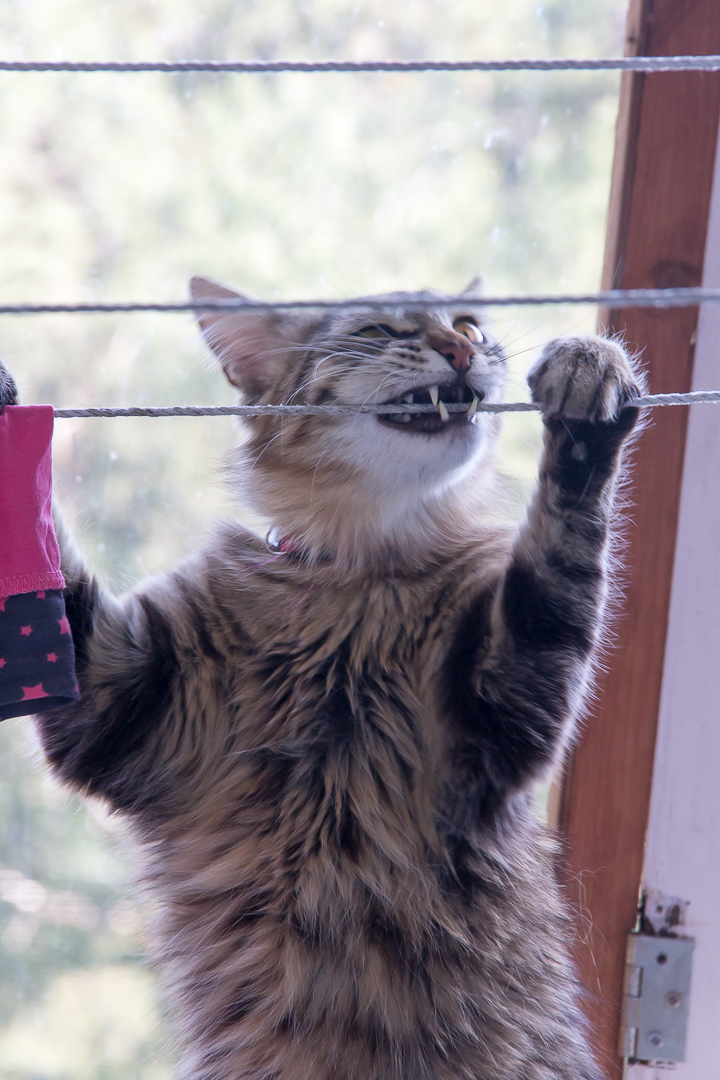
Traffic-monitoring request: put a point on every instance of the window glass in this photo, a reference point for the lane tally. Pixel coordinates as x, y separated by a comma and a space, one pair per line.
119, 187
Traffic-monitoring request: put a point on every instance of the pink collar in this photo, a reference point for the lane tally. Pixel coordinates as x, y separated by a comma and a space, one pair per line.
288, 545
282, 545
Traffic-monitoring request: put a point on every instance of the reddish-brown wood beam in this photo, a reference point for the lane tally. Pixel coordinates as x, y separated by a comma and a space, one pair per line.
657, 223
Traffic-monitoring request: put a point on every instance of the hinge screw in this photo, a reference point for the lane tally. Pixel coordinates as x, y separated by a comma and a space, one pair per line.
673, 999
655, 1039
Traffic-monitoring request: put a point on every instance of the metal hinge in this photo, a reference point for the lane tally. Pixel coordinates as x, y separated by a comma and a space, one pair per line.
656, 998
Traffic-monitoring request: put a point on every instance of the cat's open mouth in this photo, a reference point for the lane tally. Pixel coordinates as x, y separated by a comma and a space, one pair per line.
429, 423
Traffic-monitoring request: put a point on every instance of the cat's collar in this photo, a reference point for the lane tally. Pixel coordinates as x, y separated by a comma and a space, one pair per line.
289, 545
282, 545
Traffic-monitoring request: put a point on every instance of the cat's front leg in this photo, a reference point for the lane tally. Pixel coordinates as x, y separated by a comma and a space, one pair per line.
109, 743
546, 618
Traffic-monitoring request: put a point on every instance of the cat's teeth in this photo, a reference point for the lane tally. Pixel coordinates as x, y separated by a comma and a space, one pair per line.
409, 399
434, 394
442, 409
406, 417
473, 408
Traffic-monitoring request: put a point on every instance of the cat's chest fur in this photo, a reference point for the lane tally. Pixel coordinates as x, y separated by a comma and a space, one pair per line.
312, 851
326, 743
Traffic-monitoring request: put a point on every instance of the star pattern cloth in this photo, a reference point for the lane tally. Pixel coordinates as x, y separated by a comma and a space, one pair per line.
37, 660
37, 665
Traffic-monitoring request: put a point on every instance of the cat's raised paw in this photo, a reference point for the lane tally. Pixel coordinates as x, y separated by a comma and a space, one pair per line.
8, 389
583, 378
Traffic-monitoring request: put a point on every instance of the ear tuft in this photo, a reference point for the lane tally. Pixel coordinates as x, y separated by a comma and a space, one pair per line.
202, 288
476, 289
249, 344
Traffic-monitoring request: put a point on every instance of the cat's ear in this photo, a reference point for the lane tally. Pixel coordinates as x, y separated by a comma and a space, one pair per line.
476, 289
249, 344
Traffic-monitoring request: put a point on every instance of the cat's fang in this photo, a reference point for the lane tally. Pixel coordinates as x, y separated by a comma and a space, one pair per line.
442, 409
473, 407
434, 394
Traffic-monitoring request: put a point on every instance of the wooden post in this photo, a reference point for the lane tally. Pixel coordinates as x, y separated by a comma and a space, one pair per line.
657, 224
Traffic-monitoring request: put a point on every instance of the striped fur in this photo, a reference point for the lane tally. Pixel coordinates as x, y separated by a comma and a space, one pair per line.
326, 754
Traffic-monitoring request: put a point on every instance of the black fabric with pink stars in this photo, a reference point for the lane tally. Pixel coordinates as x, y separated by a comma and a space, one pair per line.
37, 659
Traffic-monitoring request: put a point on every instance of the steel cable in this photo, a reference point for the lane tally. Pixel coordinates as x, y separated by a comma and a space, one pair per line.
694, 397
612, 298
251, 67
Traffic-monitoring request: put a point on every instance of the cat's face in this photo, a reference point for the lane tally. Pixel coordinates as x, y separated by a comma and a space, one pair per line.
362, 357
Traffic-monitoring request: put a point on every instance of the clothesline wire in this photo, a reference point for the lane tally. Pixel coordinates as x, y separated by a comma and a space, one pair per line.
250, 67
613, 298
694, 397
657, 298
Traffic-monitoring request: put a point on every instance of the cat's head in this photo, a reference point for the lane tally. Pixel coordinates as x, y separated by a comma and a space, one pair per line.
352, 479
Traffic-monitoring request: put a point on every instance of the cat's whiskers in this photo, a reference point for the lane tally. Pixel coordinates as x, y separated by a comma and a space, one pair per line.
543, 321
368, 400
522, 352
311, 380
266, 446
315, 471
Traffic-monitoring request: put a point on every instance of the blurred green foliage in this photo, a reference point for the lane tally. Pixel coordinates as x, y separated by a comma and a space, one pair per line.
121, 187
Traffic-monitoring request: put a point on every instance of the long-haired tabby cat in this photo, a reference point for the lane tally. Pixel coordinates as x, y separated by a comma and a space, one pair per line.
325, 742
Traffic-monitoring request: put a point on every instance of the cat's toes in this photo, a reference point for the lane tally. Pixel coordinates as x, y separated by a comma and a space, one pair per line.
8, 389
584, 378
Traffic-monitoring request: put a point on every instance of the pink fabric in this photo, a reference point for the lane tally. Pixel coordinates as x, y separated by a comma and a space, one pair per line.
29, 555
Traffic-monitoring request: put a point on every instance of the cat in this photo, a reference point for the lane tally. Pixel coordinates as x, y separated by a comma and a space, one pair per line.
325, 743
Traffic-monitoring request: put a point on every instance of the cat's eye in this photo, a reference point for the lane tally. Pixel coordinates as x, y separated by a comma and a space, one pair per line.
376, 330
469, 329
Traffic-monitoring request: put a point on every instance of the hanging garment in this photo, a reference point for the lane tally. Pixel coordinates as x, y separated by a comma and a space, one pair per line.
37, 660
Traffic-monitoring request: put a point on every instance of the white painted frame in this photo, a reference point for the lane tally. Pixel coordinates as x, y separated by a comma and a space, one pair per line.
683, 843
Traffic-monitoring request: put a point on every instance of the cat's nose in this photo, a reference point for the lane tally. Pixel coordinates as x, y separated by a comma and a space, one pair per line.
457, 351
